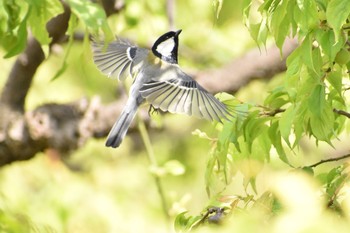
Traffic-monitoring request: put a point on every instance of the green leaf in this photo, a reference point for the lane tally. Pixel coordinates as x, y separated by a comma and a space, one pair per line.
277, 98
259, 32
329, 46
337, 13
93, 17
280, 23
306, 52
265, 144
322, 125
333, 174
246, 4
217, 4
253, 127
181, 222
336, 179
285, 123
294, 62
269, 6
299, 122
21, 39
275, 137
306, 16
12, 11
42, 12
335, 79
316, 102
308, 170
208, 176
72, 25
322, 4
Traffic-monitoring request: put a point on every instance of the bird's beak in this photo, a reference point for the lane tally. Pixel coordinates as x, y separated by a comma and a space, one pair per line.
178, 32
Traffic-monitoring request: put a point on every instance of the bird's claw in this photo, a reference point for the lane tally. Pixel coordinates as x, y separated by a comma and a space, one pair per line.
152, 110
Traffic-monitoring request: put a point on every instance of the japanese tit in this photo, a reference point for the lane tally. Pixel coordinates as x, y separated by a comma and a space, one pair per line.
158, 80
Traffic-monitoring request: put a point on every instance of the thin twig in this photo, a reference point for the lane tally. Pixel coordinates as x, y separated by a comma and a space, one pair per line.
170, 9
270, 112
153, 162
329, 160
341, 112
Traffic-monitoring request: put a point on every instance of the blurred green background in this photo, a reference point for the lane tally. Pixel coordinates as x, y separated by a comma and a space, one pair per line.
98, 189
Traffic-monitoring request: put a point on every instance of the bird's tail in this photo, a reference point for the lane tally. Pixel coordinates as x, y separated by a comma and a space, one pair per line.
120, 128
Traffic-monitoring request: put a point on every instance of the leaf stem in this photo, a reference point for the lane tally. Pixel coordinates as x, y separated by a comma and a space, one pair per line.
152, 159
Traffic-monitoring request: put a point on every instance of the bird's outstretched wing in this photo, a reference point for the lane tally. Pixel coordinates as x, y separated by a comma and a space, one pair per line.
182, 94
118, 59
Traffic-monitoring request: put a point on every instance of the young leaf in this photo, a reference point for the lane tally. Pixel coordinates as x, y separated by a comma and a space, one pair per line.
337, 13
285, 123
253, 127
280, 23
275, 137
306, 52
42, 12
316, 101
259, 32
73, 23
327, 42
21, 38
306, 15
335, 79
92, 15
322, 125
217, 4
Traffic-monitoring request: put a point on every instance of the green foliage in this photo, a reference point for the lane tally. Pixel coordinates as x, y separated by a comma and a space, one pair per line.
302, 105
19, 16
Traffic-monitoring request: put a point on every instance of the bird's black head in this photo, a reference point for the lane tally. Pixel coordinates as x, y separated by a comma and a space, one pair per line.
166, 46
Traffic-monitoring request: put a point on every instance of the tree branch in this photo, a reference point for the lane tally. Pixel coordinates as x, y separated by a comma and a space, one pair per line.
61, 127
329, 160
252, 65
341, 112
21, 76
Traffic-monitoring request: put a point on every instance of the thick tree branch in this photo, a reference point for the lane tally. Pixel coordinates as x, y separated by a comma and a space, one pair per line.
255, 64
61, 127
21, 76
18, 83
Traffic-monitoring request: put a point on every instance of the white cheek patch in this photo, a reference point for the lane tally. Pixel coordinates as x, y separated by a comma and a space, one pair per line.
166, 47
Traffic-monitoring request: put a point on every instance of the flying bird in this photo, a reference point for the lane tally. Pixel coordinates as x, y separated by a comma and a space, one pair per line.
158, 81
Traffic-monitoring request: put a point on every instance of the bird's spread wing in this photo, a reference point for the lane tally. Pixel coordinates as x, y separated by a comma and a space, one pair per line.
118, 59
184, 95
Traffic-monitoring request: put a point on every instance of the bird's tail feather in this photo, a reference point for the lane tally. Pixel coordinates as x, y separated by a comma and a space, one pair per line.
120, 128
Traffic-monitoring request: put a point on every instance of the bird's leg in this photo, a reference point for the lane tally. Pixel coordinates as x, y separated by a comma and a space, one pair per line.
152, 110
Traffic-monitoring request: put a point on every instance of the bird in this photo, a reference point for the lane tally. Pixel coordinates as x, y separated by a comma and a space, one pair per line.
157, 80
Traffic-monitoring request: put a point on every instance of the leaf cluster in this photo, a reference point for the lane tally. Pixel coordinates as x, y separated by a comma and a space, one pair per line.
304, 105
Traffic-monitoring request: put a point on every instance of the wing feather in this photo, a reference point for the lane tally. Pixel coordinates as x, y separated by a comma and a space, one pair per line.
183, 96
203, 107
175, 98
211, 108
195, 104
118, 59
